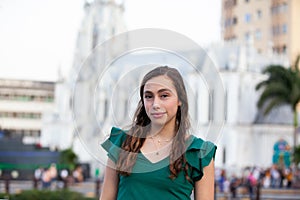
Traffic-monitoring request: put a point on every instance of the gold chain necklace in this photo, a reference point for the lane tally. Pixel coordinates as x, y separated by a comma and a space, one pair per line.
159, 141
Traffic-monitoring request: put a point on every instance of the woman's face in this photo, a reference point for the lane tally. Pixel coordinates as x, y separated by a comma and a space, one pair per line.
161, 101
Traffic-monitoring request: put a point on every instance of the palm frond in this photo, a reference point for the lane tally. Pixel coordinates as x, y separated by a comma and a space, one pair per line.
274, 90
277, 73
296, 65
274, 103
262, 84
282, 86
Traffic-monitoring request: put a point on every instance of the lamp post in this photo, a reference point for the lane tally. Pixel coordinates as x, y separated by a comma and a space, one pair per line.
7, 178
98, 183
64, 175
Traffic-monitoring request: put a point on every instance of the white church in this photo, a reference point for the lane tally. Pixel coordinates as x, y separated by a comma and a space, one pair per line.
101, 91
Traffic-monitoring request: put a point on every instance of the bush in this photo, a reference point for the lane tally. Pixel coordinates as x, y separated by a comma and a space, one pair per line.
68, 159
47, 195
3, 196
297, 155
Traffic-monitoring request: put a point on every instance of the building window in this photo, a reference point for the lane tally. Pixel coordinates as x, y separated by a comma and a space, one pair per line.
275, 30
20, 115
274, 10
106, 108
280, 49
281, 8
247, 17
227, 23
247, 36
284, 7
284, 28
259, 51
230, 38
126, 111
258, 14
230, 22
226, 103
284, 49
258, 34
234, 20
95, 36
230, 3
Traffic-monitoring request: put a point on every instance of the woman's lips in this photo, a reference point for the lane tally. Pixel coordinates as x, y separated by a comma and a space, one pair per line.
158, 115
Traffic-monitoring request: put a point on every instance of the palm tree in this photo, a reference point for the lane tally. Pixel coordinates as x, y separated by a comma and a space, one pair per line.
281, 87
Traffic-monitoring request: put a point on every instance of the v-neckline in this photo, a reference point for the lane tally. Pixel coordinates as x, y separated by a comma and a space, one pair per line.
154, 163
188, 142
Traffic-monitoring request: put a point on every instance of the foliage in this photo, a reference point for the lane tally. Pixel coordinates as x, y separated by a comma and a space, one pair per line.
68, 158
281, 87
47, 195
297, 155
4, 196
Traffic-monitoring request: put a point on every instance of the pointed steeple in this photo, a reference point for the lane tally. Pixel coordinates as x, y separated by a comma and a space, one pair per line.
60, 77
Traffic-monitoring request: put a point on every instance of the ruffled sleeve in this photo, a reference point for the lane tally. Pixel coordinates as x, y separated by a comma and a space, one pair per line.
113, 144
199, 154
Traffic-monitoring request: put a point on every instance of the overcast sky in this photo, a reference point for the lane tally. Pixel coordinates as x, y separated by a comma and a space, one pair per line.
38, 36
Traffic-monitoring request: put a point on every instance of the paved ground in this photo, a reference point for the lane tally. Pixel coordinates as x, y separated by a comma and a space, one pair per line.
88, 188
267, 194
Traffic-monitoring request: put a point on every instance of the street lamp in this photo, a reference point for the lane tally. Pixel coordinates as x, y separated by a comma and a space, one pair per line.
14, 174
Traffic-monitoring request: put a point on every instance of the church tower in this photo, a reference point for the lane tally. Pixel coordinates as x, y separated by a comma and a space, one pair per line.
75, 125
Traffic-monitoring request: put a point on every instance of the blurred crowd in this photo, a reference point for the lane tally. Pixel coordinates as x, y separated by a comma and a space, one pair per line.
50, 178
253, 177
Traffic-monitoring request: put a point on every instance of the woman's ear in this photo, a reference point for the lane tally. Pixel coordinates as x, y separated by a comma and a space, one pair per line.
179, 103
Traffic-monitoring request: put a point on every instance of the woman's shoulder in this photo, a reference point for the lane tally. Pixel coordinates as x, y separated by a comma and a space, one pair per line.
199, 150
114, 142
116, 131
196, 143
117, 135
199, 154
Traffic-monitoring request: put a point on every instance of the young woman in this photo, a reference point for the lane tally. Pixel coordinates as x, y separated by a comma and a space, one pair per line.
157, 158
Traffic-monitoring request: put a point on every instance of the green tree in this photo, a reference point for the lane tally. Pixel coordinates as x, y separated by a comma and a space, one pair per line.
297, 155
281, 87
68, 159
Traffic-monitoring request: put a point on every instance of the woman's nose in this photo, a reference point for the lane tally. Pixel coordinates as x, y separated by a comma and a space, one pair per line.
156, 103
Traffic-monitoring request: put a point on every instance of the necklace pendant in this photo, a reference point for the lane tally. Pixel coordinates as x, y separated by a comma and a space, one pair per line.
157, 153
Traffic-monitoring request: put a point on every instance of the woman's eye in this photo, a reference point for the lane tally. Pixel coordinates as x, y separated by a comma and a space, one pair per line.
164, 95
148, 96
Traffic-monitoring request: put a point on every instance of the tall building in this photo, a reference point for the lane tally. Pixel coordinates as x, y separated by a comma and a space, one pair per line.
271, 25
72, 122
22, 104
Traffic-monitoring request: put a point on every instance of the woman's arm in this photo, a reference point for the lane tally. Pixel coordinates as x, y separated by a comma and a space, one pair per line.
204, 188
111, 182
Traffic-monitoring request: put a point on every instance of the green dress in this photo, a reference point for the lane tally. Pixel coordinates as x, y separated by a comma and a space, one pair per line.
150, 181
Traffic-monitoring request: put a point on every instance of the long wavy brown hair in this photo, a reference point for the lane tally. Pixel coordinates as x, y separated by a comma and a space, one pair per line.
138, 132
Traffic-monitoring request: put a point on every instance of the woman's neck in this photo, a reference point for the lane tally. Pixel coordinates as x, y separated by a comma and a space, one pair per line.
164, 132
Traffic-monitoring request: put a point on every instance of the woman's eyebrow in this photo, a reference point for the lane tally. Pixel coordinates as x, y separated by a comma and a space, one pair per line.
147, 91
159, 91
164, 90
